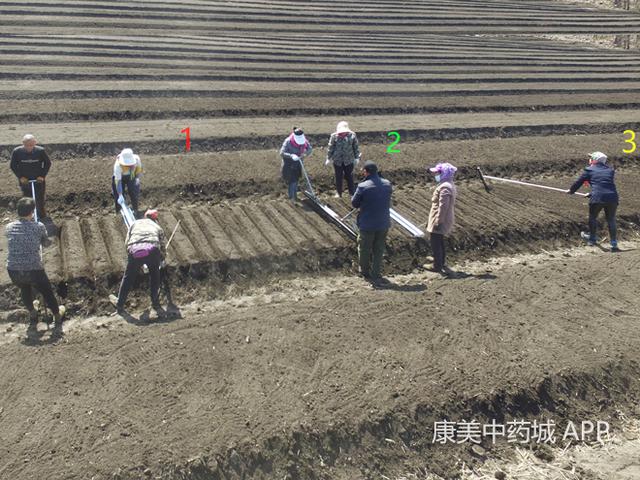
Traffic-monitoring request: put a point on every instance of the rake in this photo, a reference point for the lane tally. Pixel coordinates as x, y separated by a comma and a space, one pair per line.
483, 178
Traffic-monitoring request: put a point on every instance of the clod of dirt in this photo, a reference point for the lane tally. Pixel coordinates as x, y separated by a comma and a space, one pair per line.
500, 475
544, 452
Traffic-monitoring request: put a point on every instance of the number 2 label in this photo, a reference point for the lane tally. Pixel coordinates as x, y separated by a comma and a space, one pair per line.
390, 148
630, 141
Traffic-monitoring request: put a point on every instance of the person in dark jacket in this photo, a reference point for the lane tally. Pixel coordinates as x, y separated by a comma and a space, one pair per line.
373, 198
31, 162
604, 196
25, 238
344, 153
294, 149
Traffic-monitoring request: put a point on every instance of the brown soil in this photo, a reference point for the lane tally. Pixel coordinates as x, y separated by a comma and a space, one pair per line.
310, 379
278, 362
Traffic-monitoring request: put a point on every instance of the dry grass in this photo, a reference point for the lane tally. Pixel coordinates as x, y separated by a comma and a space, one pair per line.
524, 465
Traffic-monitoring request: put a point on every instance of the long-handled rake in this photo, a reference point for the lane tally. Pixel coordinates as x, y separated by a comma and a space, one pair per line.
483, 178
164, 280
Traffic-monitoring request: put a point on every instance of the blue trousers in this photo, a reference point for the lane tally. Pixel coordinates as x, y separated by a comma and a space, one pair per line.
292, 189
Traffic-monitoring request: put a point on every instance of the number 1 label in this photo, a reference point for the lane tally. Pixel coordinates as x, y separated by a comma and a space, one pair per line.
187, 132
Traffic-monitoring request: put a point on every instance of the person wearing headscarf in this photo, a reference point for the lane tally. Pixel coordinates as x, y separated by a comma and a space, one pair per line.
442, 214
127, 172
604, 196
344, 153
294, 149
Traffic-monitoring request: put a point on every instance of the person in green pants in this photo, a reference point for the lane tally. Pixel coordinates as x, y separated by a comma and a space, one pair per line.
373, 198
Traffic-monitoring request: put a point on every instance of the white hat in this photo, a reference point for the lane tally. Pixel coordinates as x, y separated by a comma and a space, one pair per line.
343, 127
598, 157
127, 158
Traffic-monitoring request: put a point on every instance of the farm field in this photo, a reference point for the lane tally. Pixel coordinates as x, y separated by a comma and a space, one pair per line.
277, 361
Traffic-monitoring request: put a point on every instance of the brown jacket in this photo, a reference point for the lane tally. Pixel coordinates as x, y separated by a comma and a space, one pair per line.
442, 215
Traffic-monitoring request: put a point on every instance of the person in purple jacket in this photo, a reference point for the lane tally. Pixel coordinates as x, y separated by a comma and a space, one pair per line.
604, 196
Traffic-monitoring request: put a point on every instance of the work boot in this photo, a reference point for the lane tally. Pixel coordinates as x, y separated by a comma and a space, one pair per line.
60, 316
614, 246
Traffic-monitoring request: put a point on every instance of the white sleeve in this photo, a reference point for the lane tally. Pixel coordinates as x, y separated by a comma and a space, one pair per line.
117, 171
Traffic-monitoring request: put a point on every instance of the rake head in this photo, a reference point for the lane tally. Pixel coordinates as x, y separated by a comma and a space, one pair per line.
484, 182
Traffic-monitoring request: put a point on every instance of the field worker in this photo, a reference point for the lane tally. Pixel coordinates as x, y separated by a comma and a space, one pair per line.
442, 214
145, 245
31, 162
127, 172
24, 263
294, 149
344, 153
604, 196
373, 198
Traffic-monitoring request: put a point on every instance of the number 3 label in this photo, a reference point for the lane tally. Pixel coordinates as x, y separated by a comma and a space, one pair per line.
390, 148
630, 141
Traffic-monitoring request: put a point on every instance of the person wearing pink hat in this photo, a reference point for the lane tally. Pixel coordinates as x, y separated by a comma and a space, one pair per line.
442, 214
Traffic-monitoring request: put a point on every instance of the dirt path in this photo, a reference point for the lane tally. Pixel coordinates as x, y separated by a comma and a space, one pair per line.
297, 367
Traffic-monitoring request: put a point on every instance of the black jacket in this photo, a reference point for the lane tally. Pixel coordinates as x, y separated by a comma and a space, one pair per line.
373, 198
30, 165
600, 177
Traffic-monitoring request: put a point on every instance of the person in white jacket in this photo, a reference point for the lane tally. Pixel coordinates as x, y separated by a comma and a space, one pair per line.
127, 172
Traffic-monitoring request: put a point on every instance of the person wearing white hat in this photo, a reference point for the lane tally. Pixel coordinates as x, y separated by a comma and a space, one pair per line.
344, 153
603, 196
30, 162
127, 172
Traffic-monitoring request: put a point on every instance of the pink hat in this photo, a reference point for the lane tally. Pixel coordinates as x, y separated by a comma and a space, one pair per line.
446, 170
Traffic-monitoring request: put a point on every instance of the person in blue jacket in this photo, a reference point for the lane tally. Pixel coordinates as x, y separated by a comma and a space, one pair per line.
604, 196
373, 198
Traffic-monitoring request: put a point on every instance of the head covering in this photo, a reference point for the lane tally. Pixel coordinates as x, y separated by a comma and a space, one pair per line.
127, 158
598, 157
445, 170
298, 137
343, 127
28, 137
370, 167
152, 213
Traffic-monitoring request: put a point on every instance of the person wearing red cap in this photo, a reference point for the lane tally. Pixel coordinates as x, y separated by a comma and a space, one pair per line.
145, 245
442, 214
